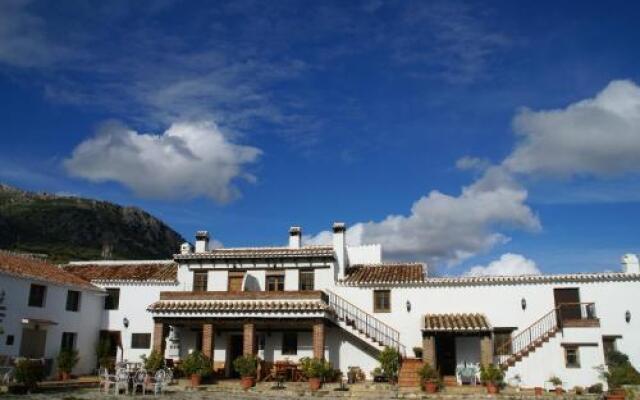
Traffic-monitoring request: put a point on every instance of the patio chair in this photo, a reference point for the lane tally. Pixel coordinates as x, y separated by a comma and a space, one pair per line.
140, 380
159, 381
106, 379
122, 381
466, 373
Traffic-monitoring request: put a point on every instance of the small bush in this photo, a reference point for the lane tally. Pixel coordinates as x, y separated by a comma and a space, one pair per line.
428, 373
153, 362
595, 389
492, 374
555, 381
389, 359
619, 371
315, 367
417, 351
67, 359
246, 366
579, 390
196, 363
29, 372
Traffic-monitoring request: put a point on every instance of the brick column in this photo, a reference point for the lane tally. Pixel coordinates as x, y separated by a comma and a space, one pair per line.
208, 340
429, 350
158, 337
486, 350
249, 339
318, 339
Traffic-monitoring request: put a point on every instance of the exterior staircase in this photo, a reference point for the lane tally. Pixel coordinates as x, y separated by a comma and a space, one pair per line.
363, 325
543, 330
408, 376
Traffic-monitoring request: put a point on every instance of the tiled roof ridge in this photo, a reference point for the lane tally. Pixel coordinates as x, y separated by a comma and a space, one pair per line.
130, 272
119, 262
388, 264
270, 248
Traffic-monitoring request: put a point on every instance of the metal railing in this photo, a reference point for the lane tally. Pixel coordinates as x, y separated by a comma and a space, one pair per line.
364, 322
540, 330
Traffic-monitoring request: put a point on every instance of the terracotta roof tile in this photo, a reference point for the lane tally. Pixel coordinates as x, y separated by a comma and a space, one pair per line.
160, 271
23, 266
260, 252
230, 306
387, 273
456, 322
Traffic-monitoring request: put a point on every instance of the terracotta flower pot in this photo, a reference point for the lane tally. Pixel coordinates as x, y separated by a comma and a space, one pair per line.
247, 382
615, 394
430, 386
538, 391
559, 391
196, 379
65, 376
315, 383
492, 388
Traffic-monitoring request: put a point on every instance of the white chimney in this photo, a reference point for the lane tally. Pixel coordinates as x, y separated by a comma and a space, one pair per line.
630, 264
295, 236
202, 241
185, 248
340, 247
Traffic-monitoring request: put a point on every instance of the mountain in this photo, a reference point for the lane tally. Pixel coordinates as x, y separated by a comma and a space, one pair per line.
73, 228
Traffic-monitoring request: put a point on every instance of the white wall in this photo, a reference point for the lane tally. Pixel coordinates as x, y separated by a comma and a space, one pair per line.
85, 323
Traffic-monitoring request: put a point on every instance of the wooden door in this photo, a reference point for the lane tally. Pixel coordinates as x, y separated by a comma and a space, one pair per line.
568, 299
446, 354
235, 281
33, 343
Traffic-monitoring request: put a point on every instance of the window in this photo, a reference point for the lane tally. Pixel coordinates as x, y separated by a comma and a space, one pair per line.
572, 357
381, 301
37, 294
200, 281
275, 283
140, 340
235, 281
502, 341
9, 341
608, 346
289, 343
112, 301
305, 280
68, 341
73, 300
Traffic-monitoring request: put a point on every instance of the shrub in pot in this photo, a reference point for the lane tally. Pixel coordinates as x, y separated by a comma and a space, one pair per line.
492, 377
67, 360
618, 372
430, 378
315, 370
153, 362
557, 382
29, 373
246, 366
196, 365
389, 359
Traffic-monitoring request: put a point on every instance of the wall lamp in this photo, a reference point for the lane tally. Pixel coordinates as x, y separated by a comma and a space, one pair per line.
408, 306
627, 316
523, 304
125, 322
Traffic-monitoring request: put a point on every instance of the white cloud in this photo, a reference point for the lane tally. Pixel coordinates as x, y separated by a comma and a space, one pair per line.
598, 137
445, 228
189, 159
507, 264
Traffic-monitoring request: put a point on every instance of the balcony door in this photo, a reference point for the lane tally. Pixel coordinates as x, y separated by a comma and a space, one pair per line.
569, 301
235, 281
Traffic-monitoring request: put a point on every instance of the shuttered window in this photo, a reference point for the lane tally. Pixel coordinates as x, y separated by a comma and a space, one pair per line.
275, 283
381, 301
140, 340
306, 280
200, 281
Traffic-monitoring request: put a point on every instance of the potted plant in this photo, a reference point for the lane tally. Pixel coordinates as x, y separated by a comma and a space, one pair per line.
557, 382
492, 377
389, 359
28, 374
246, 366
315, 370
417, 351
196, 365
429, 377
618, 372
538, 391
153, 361
67, 359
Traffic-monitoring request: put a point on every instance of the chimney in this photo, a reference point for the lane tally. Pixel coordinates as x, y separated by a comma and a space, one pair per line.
630, 264
202, 241
340, 247
295, 236
185, 248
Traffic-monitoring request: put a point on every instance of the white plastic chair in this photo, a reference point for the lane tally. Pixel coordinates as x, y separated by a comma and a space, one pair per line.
122, 381
106, 379
140, 380
160, 381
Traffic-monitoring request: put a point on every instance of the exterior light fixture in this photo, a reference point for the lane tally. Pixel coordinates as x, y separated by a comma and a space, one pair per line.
627, 316
523, 304
125, 322
408, 306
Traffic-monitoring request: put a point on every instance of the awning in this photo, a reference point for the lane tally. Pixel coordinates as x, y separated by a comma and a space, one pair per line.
37, 321
456, 323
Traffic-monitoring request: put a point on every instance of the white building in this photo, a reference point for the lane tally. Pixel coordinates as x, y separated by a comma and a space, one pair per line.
344, 304
46, 309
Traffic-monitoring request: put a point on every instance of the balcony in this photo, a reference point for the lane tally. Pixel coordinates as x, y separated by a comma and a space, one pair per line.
578, 315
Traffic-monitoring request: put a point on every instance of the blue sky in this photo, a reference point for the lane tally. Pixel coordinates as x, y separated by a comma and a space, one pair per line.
451, 132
